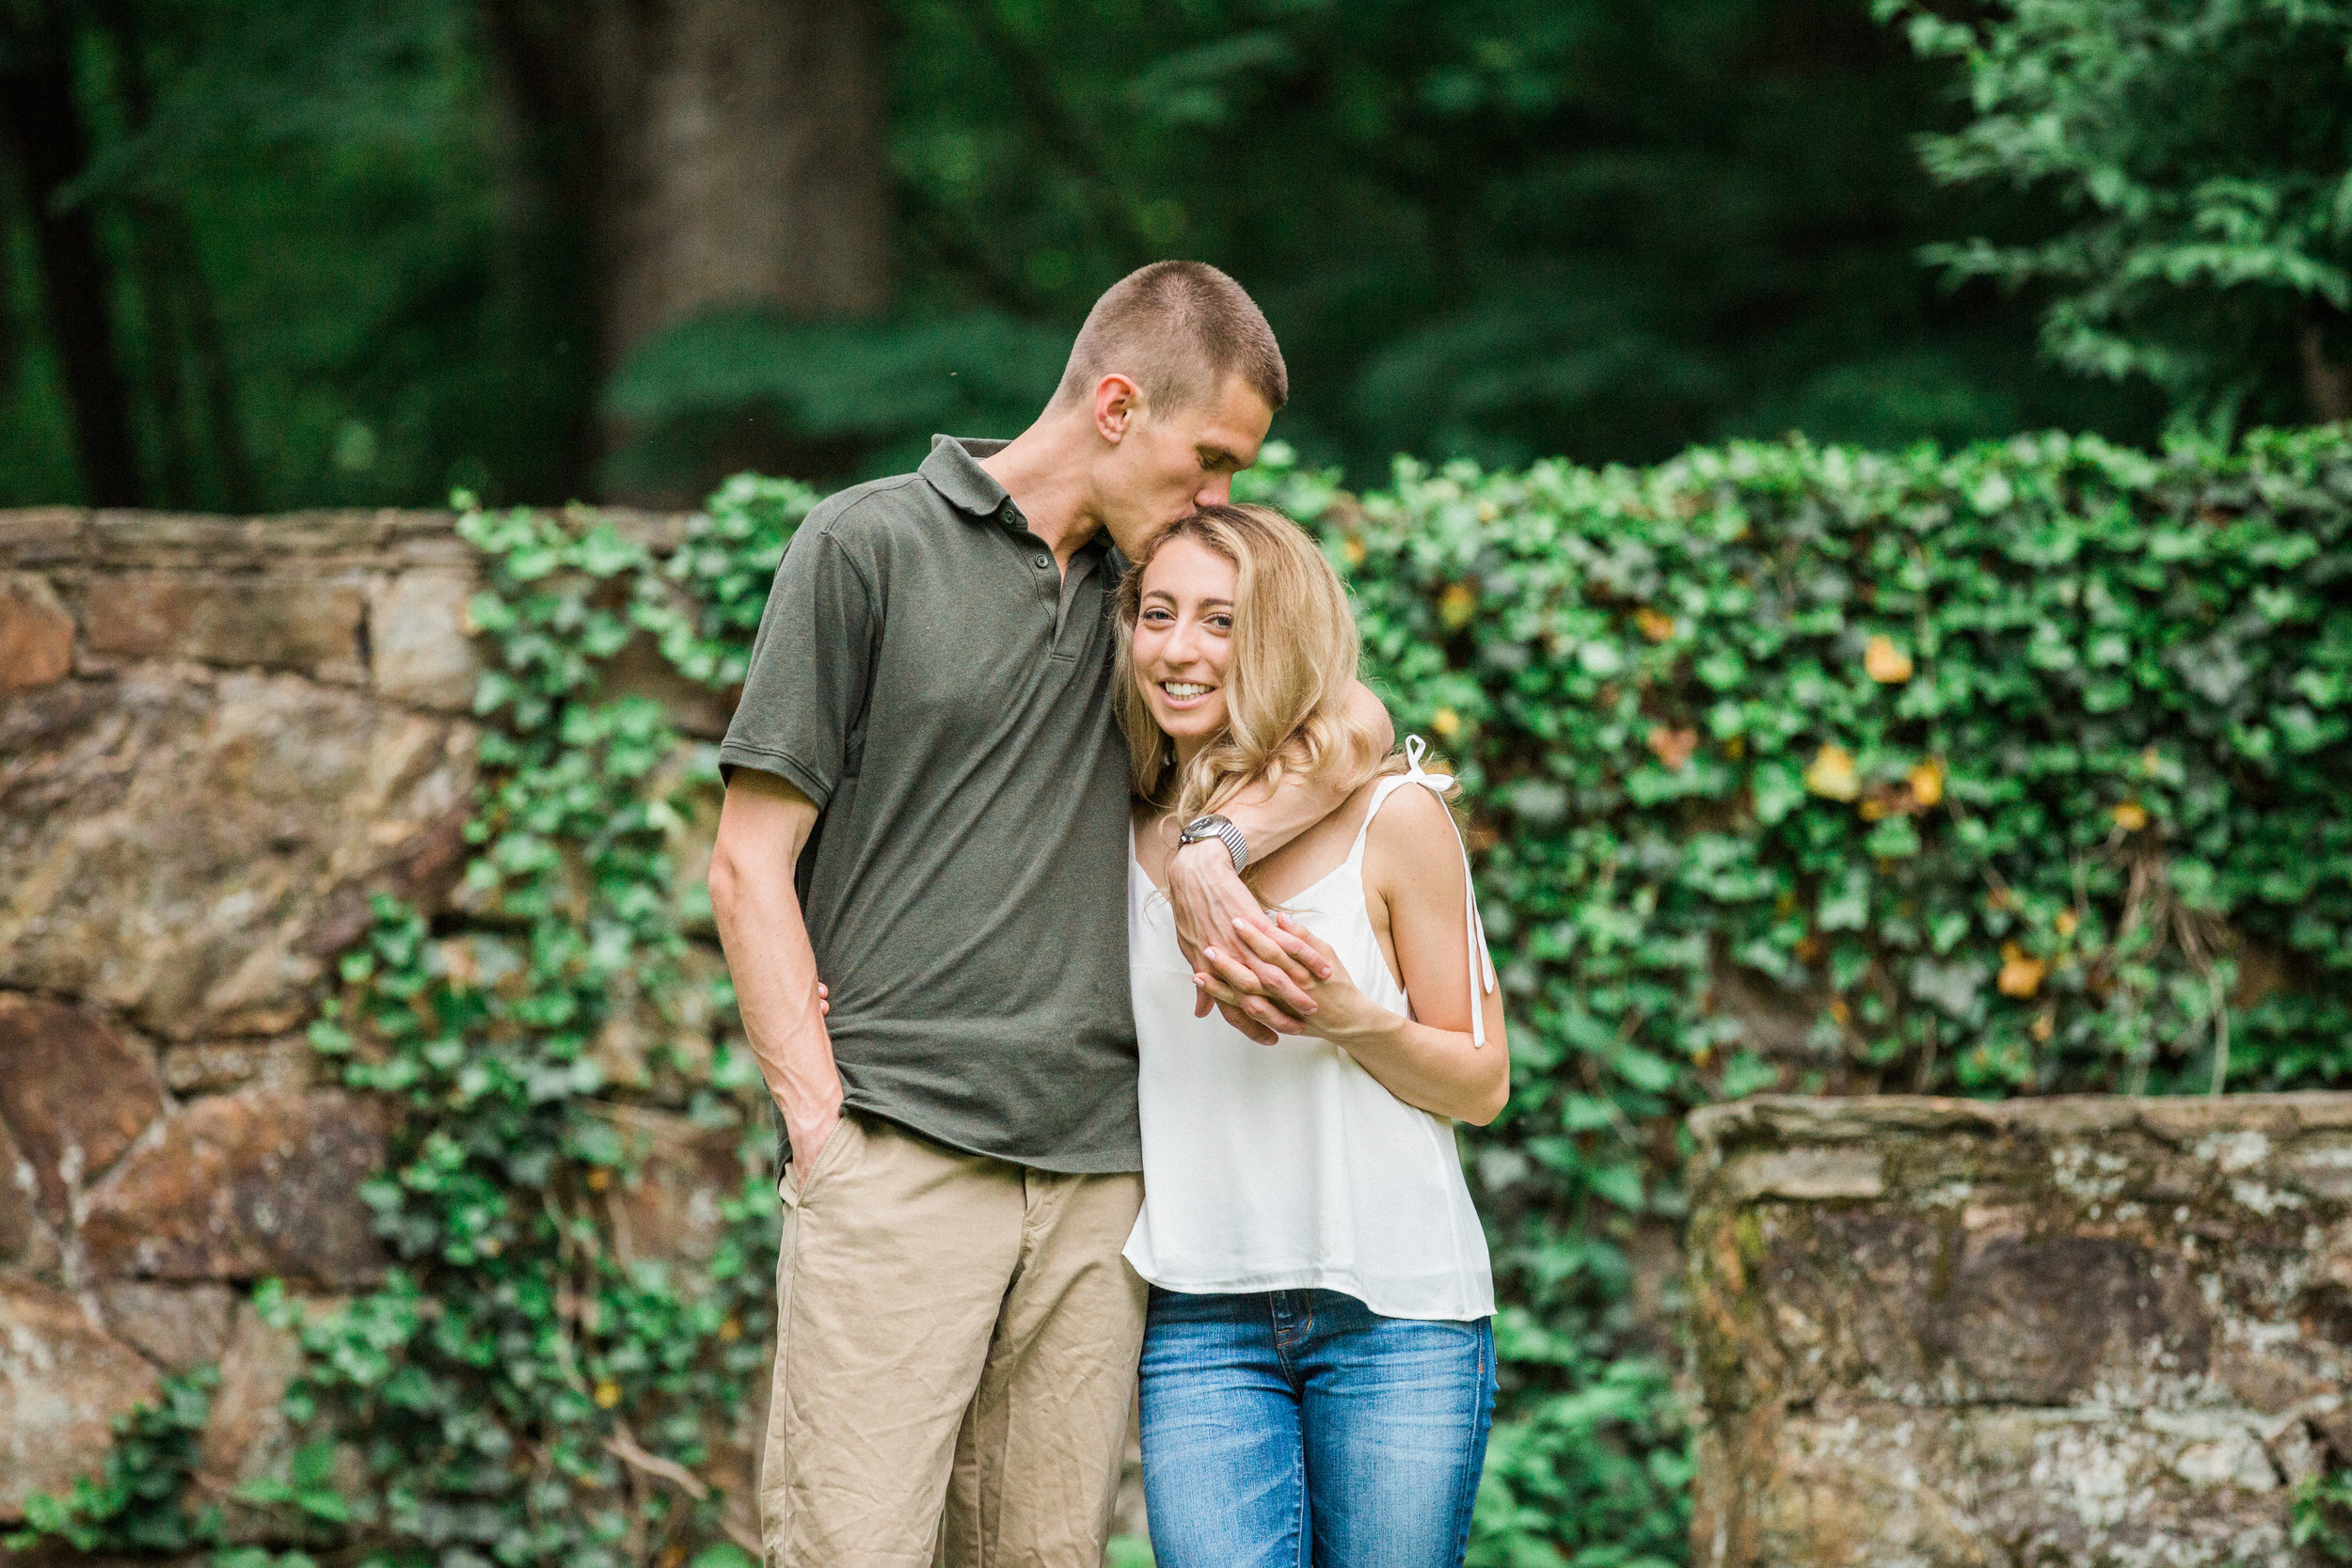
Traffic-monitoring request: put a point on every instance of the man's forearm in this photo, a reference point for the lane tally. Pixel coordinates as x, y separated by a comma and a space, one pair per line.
774, 970
1271, 818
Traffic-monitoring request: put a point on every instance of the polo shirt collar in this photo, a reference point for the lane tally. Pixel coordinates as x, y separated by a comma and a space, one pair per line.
954, 470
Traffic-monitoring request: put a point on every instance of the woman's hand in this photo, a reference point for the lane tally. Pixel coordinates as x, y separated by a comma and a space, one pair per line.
1207, 897
1338, 1010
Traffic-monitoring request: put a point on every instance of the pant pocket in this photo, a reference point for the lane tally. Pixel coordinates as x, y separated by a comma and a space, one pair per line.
795, 1194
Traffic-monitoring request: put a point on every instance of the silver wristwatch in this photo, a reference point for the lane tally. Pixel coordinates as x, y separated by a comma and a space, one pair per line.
1218, 828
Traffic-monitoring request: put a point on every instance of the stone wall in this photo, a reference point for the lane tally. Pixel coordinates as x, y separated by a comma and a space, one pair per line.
218, 738
1933, 1333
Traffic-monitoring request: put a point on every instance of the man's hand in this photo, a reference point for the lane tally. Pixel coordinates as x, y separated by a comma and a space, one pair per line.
808, 1133
808, 1136
1208, 899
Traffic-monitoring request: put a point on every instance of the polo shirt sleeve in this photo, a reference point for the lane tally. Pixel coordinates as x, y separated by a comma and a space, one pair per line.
805, 694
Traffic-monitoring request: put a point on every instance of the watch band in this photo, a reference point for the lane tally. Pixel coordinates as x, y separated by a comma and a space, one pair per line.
1219, 828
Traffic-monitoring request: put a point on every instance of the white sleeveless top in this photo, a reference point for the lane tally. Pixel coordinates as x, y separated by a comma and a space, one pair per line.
1289, 1167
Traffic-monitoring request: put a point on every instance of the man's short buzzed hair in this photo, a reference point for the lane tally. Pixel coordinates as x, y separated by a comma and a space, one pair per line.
1179, 329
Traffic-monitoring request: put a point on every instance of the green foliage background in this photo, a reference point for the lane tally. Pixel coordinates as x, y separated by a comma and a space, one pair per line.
2014, 771
2198, 149
1499, 229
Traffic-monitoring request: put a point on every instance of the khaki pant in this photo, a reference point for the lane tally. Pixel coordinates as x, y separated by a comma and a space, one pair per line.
955, 1348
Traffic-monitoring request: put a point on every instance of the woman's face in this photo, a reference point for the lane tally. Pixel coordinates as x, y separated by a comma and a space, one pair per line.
1183, 641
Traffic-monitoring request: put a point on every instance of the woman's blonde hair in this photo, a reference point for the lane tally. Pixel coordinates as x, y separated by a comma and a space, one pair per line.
1286, 685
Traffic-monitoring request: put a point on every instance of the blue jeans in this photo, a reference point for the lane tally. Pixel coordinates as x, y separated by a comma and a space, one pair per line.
1285, 1429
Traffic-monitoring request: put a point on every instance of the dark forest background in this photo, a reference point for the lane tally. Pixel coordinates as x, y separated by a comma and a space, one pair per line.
319, 252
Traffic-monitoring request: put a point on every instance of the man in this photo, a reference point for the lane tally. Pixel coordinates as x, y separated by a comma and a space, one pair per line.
927, 805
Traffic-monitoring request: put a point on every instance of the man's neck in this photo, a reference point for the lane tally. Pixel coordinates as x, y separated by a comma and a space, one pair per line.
1043, 469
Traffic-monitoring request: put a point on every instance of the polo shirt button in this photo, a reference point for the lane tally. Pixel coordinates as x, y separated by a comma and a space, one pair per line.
1044, 561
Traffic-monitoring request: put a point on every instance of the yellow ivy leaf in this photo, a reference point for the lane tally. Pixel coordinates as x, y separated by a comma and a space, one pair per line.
1831, 775
1446, 722
1354, 549
1456, 605
600, 1179
1885, 663
2044, 1026
607, 1394
2020, 976
1927, 783
2131, 815
2067, 922
1656, 625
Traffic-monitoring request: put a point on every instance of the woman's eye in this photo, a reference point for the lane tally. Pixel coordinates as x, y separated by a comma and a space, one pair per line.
1222, 623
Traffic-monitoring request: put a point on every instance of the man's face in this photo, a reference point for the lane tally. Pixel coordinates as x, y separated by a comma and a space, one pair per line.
1165, 467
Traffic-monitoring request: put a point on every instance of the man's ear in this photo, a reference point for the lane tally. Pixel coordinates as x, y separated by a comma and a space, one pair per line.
1117, 401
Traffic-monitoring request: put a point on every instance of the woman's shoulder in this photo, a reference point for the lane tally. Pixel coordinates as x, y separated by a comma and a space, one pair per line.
1412, 833
1408, 809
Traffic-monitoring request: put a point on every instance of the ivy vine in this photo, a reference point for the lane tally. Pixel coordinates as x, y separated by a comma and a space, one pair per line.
2017, 770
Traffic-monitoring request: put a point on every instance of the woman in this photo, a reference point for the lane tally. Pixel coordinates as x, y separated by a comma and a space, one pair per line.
1318, 1371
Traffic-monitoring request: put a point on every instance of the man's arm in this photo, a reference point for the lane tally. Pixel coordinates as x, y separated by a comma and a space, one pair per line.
1208, 895
762, 827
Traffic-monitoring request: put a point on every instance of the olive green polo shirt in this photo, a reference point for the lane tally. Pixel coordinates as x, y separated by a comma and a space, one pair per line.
924, 675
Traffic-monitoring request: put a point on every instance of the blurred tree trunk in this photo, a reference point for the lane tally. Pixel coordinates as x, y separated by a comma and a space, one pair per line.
686, 154
2327, 382
188, 379
42, 123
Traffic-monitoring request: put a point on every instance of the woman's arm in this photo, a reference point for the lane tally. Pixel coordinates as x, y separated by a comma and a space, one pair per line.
1414, 864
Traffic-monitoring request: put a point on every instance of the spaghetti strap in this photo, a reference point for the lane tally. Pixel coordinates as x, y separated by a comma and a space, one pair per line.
1380, 793
1482, 964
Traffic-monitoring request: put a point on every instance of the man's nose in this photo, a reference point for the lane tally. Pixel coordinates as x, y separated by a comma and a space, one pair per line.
1215, 493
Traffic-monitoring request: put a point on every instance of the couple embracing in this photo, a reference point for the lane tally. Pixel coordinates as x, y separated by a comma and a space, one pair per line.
1153, 983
